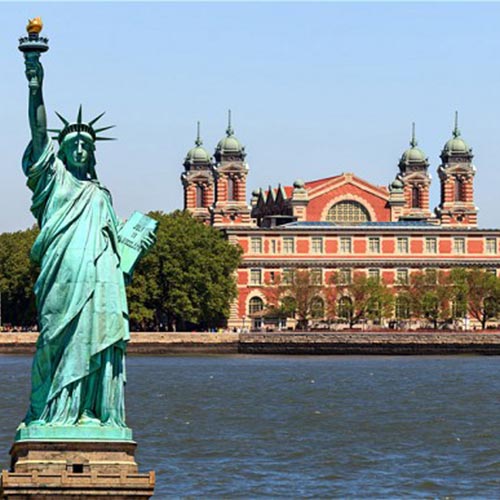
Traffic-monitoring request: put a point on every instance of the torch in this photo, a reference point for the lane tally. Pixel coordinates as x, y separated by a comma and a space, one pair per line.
32, 46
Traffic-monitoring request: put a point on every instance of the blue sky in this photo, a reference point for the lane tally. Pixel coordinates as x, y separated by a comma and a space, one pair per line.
315, 89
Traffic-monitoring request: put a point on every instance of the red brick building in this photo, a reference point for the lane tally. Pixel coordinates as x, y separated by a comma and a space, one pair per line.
340, 224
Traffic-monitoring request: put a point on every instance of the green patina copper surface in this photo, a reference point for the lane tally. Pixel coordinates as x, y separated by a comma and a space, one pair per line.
78, 373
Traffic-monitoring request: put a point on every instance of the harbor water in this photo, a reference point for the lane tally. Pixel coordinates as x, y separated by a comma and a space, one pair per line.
332, 426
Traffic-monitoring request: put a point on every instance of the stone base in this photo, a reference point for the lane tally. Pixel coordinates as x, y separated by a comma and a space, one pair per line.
43, 470
35, 432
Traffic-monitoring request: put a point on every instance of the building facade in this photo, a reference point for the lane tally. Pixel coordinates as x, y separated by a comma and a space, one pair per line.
341, 224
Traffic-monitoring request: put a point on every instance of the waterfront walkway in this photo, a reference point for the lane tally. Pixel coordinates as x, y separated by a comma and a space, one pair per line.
320, 342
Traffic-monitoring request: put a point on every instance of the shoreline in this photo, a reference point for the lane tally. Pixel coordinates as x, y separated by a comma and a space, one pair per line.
296, 343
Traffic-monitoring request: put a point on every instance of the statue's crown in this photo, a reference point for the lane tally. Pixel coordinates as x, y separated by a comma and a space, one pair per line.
80, 126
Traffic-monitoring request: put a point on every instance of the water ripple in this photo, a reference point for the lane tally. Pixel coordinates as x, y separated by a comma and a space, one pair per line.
335, 427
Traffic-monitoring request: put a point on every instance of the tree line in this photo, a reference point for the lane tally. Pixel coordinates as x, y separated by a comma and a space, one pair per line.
431, 296
185, 282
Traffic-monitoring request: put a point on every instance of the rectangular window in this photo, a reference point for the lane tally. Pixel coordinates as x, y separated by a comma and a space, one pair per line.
273, 246
374, 245
491, 245
345, 244
374, 274
317, 244
344, 276
403, 245
402, 276
289, 244
316, 276
256, 245
431, 276
459, 245
255, 276
272, 277
430, 245
287, 276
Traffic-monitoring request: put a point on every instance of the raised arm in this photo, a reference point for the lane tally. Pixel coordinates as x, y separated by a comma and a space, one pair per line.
36, 110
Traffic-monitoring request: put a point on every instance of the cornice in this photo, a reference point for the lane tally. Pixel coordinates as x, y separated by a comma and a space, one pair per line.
369, 263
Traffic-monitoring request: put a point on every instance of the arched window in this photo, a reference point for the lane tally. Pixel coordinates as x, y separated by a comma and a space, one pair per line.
255, 305
402, 307
459, 189
348, 212
230, 189
459, 306
415, 197
199, 196
345, 309
317, 308
288, 305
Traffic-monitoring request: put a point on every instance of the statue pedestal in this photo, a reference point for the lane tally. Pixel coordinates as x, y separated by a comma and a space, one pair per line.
96, 470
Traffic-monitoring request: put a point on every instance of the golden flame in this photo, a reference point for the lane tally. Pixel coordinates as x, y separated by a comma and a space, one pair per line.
34, 25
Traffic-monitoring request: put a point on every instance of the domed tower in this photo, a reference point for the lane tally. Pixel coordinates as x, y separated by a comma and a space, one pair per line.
231, 172
414, 181
456, 174
198, 181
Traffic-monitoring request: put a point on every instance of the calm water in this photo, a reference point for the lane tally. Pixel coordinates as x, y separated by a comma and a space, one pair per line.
305, 426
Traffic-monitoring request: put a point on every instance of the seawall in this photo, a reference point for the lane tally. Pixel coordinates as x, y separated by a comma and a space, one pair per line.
141, 343
370, 343
290, 343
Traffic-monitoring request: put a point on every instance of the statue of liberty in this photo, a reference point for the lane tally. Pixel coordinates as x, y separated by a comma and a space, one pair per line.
78, 373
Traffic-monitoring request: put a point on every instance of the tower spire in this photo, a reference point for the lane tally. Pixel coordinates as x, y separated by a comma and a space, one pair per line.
413, 141
229, 130
456, 131
198, 141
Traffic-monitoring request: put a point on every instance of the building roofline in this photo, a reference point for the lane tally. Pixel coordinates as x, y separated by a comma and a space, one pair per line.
332, 230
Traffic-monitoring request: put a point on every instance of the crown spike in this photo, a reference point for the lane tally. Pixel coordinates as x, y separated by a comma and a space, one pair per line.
198, 141
102, 129
229, 130
413, 141
66, 122
79, 117
80, 127
91, 122
456, 131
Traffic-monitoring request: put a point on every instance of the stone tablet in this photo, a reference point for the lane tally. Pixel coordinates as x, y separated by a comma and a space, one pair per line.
131, 235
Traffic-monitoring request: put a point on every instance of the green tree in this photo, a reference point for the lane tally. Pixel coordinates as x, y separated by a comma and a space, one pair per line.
296, 294
362, 298
479, 291
188, 278
431, 294
17, 277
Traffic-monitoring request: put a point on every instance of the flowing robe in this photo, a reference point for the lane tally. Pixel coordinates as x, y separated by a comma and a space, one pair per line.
78, 369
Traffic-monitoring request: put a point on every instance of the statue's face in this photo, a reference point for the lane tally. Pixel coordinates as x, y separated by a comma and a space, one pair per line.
78, 149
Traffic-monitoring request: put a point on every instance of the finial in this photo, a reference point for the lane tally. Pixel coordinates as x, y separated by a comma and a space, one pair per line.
198, 141
456, 131
413, 141
229, 130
